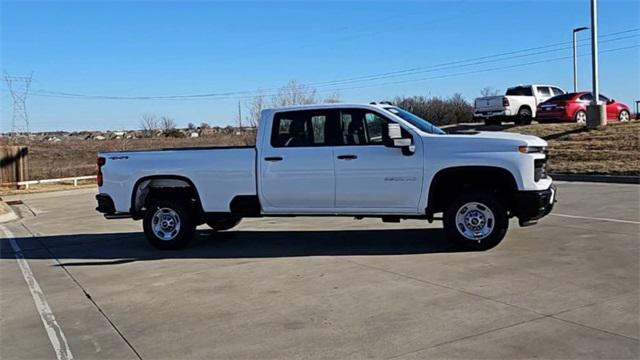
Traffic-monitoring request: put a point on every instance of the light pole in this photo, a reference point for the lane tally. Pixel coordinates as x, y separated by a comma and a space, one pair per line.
597, 114
575, 57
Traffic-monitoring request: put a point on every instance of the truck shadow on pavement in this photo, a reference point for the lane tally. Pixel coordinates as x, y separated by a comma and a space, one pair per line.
119, 248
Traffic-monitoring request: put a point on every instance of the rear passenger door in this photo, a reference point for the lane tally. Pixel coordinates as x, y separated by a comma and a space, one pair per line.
296, 166
370, 177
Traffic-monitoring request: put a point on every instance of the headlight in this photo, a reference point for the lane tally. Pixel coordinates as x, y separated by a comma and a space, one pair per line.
531, 149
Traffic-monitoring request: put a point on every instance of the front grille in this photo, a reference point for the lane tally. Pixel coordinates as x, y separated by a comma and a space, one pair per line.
539, 169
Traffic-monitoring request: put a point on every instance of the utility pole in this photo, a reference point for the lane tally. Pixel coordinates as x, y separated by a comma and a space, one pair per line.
597, 114
239, 115
575, 57
19, 89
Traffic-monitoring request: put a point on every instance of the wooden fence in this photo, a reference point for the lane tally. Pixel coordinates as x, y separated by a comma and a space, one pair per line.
14, 165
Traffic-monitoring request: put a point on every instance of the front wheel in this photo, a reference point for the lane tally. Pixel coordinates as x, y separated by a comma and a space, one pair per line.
624, 116
168, 224
476, 220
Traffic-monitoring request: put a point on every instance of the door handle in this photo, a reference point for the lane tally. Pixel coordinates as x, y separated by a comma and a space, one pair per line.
347, 157
273, 158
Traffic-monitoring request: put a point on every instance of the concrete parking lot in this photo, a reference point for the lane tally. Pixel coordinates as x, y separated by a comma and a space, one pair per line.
567, 288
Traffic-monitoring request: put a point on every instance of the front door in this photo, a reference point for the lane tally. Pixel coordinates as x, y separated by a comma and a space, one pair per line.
297, 169
370, 177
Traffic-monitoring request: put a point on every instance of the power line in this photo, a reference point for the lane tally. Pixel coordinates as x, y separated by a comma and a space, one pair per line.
414, 79
365, 78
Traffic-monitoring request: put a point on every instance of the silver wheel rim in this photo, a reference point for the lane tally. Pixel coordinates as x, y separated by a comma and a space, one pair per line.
475, 221
581, 118
165, 224
624, 116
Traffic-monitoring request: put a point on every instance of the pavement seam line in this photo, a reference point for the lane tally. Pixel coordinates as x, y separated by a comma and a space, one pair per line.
446, 287
596, 218
54, 331
468, 337
594, 328
84, 291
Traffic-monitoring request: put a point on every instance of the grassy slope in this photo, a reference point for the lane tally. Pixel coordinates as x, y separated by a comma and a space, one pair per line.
613, 149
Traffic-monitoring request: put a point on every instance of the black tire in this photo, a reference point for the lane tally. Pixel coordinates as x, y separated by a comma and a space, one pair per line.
524, 116
223, 223
496, 230
169, 208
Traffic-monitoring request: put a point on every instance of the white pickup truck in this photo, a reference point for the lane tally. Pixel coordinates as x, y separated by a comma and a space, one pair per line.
354, 160
519, 104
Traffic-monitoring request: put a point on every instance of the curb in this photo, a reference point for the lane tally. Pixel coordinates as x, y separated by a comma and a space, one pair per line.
611, 179
6, 213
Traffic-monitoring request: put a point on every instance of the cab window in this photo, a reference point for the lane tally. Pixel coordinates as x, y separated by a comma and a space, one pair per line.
301, 128
362, 127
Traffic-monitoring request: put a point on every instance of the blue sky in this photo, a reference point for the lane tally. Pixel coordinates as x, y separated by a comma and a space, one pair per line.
151, 48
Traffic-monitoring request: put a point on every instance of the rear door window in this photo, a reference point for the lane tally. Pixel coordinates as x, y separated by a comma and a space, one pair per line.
302, 128
544, 91
586, 97
557, 91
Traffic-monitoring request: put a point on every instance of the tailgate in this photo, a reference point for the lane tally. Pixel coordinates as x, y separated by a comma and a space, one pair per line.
489, 103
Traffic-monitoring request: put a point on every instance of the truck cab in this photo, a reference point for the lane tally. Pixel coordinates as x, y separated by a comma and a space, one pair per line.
358, 160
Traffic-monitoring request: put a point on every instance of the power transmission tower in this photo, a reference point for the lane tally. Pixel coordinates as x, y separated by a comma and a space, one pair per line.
19, 89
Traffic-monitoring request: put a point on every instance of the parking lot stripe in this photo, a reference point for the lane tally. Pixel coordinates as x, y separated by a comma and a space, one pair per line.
54, 332
598, 219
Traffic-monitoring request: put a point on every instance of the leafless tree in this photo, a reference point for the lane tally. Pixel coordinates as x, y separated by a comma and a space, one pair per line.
204, 125
294, 93
333, 98
489, 91
439, 111
167, 124
254, 108
149, 124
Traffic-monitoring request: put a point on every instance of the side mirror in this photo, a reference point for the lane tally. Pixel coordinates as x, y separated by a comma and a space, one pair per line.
611, 101
393, 138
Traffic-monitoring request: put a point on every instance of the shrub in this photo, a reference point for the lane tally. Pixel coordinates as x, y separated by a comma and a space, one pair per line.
439, 111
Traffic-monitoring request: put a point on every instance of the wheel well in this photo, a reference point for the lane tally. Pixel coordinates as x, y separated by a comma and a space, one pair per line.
448, 183
165, 187
525, 107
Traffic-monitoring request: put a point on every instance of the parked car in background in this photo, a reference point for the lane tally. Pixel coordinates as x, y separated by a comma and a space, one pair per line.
573, 107
519, 104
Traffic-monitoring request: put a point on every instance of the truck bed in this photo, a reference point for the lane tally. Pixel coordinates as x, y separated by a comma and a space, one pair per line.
229, 168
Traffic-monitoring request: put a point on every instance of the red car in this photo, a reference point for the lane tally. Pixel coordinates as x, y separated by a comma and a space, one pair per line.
573, 107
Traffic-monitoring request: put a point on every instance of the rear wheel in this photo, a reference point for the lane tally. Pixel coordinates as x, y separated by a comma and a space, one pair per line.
223, 223
581, 117
168, 224
524, 116
476, 220
624, 116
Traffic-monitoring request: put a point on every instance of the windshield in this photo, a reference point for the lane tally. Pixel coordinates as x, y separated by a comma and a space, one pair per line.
416, 121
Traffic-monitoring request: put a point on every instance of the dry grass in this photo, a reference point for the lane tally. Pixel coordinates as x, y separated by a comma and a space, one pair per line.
74, 156
614, 149
611, 150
